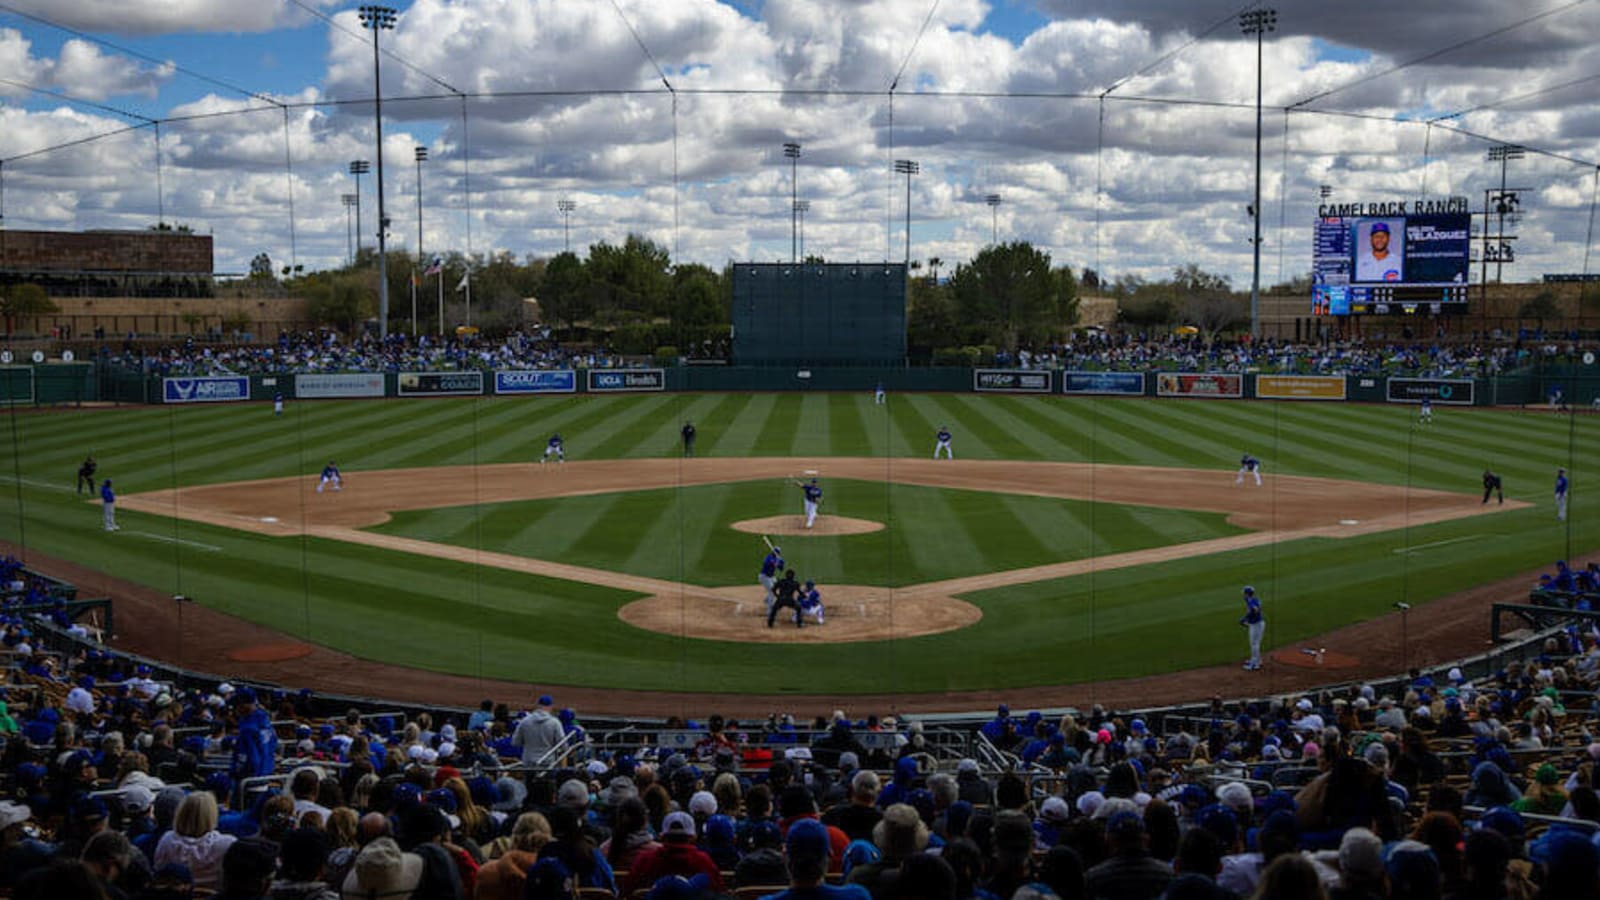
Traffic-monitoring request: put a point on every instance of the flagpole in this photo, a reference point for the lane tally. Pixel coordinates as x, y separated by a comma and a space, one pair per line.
414, 302
441, 301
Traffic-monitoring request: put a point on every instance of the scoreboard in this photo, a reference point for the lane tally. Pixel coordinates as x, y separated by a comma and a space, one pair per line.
1390, 264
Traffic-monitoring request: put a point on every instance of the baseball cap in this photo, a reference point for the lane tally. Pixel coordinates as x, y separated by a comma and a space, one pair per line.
703, 803
1125, 824
1380, 227
546, 700
680, 823
808, 839
1055, 809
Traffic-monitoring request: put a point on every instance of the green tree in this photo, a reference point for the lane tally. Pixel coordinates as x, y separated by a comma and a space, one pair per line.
1010, 293
1207, 301
261, 268
342, 301
1147, 310
931, 319
1543, 306
23, 301
630, 283
564, 295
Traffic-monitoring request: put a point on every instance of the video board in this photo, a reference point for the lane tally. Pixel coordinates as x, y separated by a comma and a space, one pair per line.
1392, 258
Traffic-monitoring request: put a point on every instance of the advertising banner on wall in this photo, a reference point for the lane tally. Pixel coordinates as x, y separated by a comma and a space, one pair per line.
1300, 387
617, 380
440, 384
1131, 383
536, 381
1015, 381
351, 384
211, 389
1452, 391
1210, 384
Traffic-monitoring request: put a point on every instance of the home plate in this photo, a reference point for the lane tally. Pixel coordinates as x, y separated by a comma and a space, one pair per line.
1349, 521
270, 520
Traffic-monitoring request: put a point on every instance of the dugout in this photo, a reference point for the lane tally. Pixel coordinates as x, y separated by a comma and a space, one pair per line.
819, 313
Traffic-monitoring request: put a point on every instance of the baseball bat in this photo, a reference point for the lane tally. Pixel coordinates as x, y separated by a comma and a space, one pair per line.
768, 542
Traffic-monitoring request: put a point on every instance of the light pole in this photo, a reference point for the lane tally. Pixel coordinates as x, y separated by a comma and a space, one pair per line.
1502, 153
801, 207
380, 18
994, 218
908, 167
1258, 22
421, 155
566, 207
358, 168
792, 150
351, 202
1325, 190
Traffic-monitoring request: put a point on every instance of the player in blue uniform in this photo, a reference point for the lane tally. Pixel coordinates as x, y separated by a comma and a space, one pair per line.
554, 447
330, 475
811, 600
771, 566
944, 444
1561, 493
1248, 463
812, 499
277, 404
1255, 624
108, 506
1425, 414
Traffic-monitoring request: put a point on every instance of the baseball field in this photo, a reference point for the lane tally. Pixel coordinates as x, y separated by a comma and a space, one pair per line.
1070, 541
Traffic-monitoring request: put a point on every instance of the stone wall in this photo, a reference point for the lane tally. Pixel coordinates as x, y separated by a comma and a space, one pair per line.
106, 251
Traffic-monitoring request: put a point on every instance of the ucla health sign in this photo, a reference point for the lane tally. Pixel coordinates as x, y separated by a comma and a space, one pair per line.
211, 389
541, 381
612, 380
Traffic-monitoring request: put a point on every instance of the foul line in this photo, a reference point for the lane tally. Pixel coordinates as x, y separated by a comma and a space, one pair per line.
1444, 543
209, 548
35, 483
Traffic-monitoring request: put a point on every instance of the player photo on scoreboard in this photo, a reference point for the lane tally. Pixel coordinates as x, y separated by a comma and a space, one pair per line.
1380, 249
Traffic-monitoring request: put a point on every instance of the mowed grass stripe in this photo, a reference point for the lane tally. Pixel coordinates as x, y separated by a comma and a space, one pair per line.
946, 543
972, 440
812, 434
1053, 418
779, 428
514, 429
847, 433
739, 437
1105, 444
712, 430
1201, 448
995, 531
1002, 436
912, 432
1032, 421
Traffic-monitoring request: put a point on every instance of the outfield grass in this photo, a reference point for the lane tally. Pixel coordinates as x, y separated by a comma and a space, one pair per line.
454, 617
684, 535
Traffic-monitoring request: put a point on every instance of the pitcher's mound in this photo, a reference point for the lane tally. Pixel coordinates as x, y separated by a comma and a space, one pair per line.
797, 525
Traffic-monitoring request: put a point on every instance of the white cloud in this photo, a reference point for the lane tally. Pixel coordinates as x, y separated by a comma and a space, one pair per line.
143, 17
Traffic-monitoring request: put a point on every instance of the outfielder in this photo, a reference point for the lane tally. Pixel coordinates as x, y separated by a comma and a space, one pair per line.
811, 600
1425, 413
554, 447
330, 475
812, 499
277, 404
944, 443
1255, 625
768, 576
1561, 493
1248, 463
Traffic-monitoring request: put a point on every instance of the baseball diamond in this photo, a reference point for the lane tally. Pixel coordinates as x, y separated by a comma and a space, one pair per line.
1092, 538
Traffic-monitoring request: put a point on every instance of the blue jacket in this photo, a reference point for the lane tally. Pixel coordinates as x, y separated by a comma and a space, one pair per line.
256, 751
106, 493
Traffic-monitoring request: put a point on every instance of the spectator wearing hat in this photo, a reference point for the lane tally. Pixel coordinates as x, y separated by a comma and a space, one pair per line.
1545, 796
809, 846
676, 855
857, 816
381, 871
898, 836
502, 878
194, 840
762, 862
971, 785
425, 830
796, 804
1130, 873
538, 733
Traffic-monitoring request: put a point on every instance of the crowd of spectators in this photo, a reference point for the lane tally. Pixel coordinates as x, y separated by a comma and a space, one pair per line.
120, 782
1137, 352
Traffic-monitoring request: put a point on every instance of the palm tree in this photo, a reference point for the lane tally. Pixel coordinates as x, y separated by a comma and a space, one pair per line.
934, 263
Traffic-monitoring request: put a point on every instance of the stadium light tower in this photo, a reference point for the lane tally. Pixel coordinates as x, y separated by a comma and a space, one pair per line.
380, 18
566, 206
1325, 190
994, 218
351, 201
1258, 22
907, 167
801, 207
358, 168
792, 150
1505, 203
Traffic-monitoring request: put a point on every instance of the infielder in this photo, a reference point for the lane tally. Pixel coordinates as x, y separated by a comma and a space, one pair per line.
771, 565
944, 444
1425, 413
787, 590
1250, 464
878, 396
108, 506
811, 600
330, 475
554, 447
1255, 625
812, 495
1561, 493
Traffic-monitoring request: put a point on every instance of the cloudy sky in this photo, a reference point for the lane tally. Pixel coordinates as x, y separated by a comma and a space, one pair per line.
521, 103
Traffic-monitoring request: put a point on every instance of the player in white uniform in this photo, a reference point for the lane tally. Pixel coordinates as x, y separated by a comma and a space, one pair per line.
811, 600
277, 404
878, 396
1250, 464
812, 497
330, 475
554, 448
944, 444
1425, 414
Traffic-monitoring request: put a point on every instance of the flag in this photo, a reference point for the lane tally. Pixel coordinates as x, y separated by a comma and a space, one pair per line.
434, 267
463, 285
